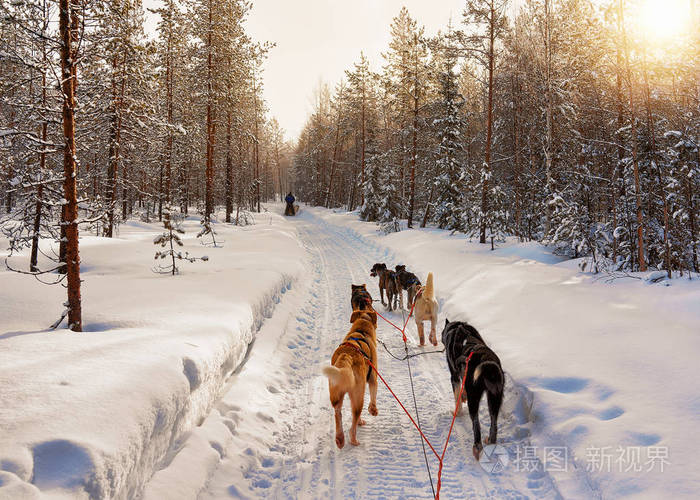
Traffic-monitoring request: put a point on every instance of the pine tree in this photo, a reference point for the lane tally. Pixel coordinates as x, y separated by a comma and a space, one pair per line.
449, 124
360, 95
207, 230
170, 239
407, 64
487, 17
372, 186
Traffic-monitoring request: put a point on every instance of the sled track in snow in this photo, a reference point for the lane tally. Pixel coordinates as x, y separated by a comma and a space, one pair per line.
305, 463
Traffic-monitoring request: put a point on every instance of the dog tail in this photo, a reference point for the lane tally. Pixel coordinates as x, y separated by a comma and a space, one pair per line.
341, 377
492, 376
429, 291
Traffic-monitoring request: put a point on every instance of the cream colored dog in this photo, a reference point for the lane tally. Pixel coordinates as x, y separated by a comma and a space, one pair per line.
426, 309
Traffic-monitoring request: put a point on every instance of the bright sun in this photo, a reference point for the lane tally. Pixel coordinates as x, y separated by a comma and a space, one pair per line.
662, 20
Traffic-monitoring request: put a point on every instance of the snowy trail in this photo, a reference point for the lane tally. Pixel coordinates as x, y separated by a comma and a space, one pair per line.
287, 449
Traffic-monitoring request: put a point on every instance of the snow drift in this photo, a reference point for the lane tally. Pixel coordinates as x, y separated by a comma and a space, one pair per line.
94, 415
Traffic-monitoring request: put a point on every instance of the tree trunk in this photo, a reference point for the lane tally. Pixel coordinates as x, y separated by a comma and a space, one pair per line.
229, 168
279, 168
256, 151
169, 139
414, 142
42, 163
489, 128
112, 163
620, 146
336, 146
362, 151
211, 125
689, 196
11, 124
426, 215
652, 151
68, 17
635, 161
516, 152
548, 148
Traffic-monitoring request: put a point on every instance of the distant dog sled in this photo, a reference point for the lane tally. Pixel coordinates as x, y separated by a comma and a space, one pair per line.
291, 208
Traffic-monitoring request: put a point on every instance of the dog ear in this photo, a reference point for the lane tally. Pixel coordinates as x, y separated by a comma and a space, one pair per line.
447, 321
373, 317
356, 315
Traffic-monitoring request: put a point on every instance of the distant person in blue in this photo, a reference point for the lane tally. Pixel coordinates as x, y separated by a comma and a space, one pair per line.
289, 210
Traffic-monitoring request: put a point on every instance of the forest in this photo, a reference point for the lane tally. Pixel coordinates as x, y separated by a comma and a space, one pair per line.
571, 123
100, 122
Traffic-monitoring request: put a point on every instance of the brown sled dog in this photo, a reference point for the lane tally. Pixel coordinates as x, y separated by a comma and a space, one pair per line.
360, 298
388, 283
350, 372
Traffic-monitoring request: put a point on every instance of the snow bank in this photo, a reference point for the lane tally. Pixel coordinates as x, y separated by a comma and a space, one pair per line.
612, 366
96, 414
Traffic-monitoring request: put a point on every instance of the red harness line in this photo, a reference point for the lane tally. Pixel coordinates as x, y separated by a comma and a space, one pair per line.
403, 330
457, 403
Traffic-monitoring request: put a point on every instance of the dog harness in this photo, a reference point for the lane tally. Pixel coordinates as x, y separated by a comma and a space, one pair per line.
360, 339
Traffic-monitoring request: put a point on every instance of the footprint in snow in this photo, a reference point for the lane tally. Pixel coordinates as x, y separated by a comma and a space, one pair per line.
266, 418
643, 439
611, 413
262, 483
564, 385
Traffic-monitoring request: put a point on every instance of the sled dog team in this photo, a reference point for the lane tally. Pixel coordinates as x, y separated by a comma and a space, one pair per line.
351, 364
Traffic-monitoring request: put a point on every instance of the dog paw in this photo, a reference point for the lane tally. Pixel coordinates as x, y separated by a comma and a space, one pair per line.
476, 451
340, 440
361, 422
373, 410
354, 442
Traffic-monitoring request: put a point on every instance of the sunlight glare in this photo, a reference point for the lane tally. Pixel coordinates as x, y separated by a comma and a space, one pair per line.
662, 20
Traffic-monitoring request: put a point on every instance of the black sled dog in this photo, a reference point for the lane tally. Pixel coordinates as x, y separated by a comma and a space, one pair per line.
484, 374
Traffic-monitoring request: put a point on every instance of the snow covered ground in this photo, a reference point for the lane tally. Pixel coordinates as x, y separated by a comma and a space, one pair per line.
611, 368
95, 414
601, 374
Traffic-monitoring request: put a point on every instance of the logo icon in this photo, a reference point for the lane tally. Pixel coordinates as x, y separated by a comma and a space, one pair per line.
494, 458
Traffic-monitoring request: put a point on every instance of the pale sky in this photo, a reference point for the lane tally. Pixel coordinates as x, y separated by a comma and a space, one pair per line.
319, 39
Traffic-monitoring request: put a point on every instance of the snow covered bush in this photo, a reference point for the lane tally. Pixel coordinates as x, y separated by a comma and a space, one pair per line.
207, 230
172, 222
